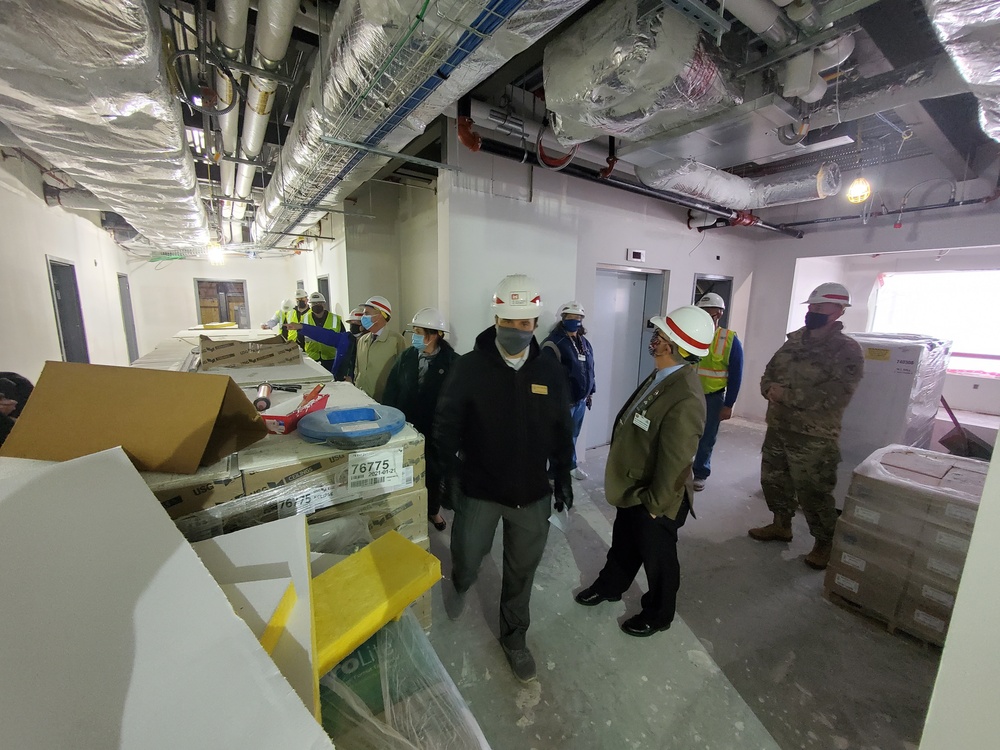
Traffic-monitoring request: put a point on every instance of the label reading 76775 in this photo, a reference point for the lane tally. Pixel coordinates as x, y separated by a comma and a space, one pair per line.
373, 468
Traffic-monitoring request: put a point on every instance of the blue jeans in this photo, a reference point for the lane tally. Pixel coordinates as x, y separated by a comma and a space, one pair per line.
703, 458
577, 411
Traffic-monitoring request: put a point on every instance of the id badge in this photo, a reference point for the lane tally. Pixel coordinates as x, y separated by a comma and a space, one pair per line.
641, 422
582, 357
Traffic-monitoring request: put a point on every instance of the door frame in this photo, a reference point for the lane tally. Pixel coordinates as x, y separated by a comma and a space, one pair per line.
49, 260
197, 294
724, 321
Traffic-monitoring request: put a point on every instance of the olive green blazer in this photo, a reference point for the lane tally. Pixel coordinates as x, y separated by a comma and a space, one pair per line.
652, 466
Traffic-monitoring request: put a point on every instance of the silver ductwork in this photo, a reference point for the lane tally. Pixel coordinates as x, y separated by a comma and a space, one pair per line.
387, 69
632, 69
970, 33
230, 34
84, 84
724, 189
74, 198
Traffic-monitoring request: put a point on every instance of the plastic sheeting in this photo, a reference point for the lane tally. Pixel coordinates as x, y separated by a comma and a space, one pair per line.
394, 693
632, 69
970, 32
380, 83
722, 188
85, 85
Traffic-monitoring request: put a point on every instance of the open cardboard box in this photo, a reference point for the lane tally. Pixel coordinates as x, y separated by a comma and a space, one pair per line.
165, 421
235, 353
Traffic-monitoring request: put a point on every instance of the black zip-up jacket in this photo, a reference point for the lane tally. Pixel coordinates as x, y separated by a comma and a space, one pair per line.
497, 428
418, 401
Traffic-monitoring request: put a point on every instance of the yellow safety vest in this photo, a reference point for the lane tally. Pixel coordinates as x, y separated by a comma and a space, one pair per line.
293, 316
315, 349
714, 366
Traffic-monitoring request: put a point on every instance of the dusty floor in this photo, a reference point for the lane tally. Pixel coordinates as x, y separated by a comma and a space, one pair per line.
757, 658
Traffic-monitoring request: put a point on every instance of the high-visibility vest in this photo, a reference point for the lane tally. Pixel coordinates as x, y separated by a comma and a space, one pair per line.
714, 366
293, 316
314, 349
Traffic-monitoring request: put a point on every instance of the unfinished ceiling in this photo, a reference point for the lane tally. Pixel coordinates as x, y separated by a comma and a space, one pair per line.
242, 122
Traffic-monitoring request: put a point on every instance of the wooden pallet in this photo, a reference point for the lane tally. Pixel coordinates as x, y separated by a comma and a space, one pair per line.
891, 625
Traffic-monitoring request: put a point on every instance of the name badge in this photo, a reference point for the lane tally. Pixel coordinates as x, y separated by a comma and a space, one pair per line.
541, 390
582, 357
641, 422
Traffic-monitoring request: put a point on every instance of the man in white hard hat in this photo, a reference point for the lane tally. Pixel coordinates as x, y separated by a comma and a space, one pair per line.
502, 421
298, 315
280, 317
568, 343
721, 373
808, 384
648, 476
321, 317
378, 348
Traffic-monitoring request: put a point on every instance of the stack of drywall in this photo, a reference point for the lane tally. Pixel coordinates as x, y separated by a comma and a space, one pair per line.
901, 542
897, 399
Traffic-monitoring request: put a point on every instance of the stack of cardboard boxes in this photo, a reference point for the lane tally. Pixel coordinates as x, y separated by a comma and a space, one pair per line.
901, 541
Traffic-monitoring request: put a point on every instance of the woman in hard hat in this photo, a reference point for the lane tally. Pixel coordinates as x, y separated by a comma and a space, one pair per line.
568, 342
413, 387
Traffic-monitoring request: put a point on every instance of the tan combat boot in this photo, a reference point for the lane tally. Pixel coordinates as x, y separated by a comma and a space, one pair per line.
819, 558
779, 530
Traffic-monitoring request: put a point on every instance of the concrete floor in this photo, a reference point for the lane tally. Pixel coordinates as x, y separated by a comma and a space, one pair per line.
756, 658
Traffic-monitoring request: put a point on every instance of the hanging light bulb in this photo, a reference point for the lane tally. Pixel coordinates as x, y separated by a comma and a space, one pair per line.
859, 191
215, 254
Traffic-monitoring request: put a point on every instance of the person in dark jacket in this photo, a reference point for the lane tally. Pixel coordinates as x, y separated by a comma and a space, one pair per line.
568, 342
502, 420
413, 387
14, 392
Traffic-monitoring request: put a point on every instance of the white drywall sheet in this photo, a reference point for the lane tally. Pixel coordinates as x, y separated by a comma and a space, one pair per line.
279, 549
114, 635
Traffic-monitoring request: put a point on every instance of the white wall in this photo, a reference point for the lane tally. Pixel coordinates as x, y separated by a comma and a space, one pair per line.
963, 709
31, 229
418, 250
372, 247
326, 257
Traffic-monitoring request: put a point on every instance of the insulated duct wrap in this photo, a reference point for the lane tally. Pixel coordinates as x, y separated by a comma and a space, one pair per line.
84, 84
970, 33
724, 189
385, 74
632, 69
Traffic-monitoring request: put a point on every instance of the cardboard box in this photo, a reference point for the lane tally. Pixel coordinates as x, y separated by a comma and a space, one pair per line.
403, 512
883, 516
924, 619
946, 543
183, 501
283, 418
926, 591
944, 572
865, 550
235, 353
165, 421
877, 590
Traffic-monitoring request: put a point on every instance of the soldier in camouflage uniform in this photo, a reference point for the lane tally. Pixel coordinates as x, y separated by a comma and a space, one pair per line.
808, 384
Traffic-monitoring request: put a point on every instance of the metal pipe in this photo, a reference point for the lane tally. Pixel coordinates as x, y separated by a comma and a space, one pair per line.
912, 209
514, 153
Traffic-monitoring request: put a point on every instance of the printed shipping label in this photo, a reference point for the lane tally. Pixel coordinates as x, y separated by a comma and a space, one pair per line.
846, 583
950, 541
944, 568
962, 514
869, 516
375, 468
879, 355
854, 562
935, 595
929, 621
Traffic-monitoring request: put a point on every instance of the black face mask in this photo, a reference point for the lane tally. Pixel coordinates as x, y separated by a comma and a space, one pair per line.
356, 329
318, 309
816, 320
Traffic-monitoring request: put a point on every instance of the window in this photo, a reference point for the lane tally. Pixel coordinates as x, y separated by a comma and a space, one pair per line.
956, 305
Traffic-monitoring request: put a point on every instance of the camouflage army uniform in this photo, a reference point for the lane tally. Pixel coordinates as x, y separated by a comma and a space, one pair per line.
801, 451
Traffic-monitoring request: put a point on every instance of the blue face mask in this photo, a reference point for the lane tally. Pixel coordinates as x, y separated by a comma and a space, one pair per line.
366, 321
418, 342
572, 325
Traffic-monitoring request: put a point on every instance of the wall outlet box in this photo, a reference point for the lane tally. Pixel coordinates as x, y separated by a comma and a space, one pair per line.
635, 256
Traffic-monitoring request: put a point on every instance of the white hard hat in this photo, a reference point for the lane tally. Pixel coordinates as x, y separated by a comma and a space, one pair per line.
300, 293
517, 298
711, 299
381, 304
356, 313
430, 318
287, 305
690, 327
572, 308
831, 291
316, 297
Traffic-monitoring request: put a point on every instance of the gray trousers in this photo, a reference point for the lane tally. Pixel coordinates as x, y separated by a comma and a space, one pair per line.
525, 531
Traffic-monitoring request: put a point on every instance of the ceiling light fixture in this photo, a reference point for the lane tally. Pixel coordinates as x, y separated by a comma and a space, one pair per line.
859, 191
215, 255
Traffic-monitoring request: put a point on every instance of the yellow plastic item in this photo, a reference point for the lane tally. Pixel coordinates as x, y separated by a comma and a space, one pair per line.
359, 595
219, 325
276, 625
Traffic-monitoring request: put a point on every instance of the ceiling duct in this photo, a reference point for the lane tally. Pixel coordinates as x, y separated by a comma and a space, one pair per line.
84, 85
387, 69
632, 69
231, 35
722, 188
970, 33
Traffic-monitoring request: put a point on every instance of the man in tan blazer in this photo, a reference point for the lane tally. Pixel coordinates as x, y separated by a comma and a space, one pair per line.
648, 475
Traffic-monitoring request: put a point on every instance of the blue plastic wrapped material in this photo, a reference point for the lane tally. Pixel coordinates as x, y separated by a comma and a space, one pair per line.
352, 427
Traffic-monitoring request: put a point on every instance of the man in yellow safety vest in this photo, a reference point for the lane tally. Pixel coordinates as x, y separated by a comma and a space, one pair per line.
320, 316
721, 372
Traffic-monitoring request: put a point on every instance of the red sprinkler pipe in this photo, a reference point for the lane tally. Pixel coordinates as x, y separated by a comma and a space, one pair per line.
469, 137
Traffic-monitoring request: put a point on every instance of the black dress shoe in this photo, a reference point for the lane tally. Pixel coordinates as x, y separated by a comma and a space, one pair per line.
640, 627
591, 597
